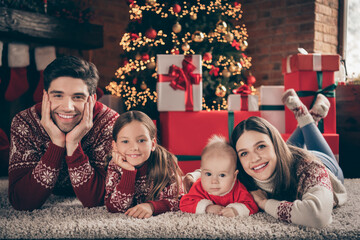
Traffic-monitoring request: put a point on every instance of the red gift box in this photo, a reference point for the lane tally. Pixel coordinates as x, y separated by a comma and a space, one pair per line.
310, 74
310, 62
186, 133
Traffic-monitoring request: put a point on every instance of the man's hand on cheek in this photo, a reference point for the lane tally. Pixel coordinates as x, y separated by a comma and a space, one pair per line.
56, 135
77, 133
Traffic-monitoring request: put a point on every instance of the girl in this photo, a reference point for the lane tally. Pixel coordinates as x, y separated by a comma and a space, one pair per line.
143, 178
290, 183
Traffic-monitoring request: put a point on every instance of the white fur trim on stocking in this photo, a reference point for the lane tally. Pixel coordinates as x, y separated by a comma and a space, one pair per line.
44, 56
18, 55
1, 49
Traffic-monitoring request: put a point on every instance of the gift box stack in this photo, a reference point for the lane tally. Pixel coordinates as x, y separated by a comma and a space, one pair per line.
184, 127
309, 75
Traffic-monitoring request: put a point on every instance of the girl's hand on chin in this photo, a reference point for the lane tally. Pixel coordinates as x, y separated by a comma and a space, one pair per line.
121, 161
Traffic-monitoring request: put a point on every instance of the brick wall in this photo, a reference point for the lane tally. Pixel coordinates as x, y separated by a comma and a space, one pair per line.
276, 29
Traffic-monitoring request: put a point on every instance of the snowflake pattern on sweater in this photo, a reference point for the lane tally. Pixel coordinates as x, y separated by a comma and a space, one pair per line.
314, 186
38, 166
126, 189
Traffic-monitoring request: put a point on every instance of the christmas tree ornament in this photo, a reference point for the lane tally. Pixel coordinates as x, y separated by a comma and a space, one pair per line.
18, 60
134, 81
229, 37
251, 80
238, 66
151, 33
138, 56
207, 57
43, 57
150, 2
232, 68
175, 50
176, 28
145, 57
221, 26
185, 47
176, 8
220, 90
151, 65
143, 85
197, 36
226, 73
193, 16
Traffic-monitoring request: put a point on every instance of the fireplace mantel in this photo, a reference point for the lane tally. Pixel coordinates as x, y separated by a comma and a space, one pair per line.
22, 26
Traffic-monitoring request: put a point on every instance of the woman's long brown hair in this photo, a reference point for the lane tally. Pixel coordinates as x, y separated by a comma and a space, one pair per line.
288, 157
163, 169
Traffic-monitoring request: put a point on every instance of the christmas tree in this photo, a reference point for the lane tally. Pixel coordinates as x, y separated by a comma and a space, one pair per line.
212, 29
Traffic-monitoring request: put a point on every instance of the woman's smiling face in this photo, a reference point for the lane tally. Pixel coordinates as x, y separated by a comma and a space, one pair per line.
257, 155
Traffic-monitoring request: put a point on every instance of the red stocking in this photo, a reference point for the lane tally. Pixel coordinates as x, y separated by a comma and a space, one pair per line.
18, 84
38, 94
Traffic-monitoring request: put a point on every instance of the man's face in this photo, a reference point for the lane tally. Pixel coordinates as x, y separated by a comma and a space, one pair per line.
68, 97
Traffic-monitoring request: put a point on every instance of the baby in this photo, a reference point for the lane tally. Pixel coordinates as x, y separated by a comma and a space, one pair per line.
218, 191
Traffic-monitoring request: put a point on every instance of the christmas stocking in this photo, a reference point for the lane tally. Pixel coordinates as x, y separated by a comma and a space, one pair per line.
43, 57
18, 59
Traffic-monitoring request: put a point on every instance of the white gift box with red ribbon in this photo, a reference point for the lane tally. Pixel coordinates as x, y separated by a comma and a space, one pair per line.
179, 86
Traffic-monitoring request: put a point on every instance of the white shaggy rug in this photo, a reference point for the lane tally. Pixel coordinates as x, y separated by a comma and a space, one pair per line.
65, 218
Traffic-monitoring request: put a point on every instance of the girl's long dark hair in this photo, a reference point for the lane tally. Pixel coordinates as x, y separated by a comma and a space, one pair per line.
288, 158
163, 169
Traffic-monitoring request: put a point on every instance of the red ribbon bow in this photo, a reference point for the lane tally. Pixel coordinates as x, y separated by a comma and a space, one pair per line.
214, 71
236, 45
243, 90
183, 78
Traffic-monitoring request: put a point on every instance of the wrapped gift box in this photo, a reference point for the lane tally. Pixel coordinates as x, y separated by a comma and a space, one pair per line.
271, 106
179, 86
331, 138
187, 133
238, 102
310, 62
307, 83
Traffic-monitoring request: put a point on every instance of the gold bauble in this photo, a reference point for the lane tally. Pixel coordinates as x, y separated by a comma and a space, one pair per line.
185, 47
221, 26
151, 65
229, 37
232, 68
220, 91
151, 2
197, 36
226, 73
193, 16
138, 56
176, 28
143, 85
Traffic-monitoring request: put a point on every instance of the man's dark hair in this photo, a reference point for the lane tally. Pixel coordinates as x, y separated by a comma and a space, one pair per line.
70, 66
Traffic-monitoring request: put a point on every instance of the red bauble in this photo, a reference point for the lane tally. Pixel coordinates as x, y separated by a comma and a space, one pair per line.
134, 81
177, 8
251, 80
145, 57
151, 33
207, 56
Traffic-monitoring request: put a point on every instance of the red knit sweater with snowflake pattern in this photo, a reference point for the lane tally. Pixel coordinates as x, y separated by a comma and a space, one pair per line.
38, 167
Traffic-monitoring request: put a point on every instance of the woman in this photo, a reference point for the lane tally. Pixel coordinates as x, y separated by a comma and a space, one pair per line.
288, 182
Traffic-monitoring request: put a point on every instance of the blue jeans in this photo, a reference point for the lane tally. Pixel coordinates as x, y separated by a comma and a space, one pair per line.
311, 137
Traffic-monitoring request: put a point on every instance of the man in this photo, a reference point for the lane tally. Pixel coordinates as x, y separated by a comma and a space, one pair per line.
60, 145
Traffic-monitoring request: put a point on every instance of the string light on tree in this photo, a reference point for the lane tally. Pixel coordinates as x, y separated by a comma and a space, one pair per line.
211, 28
